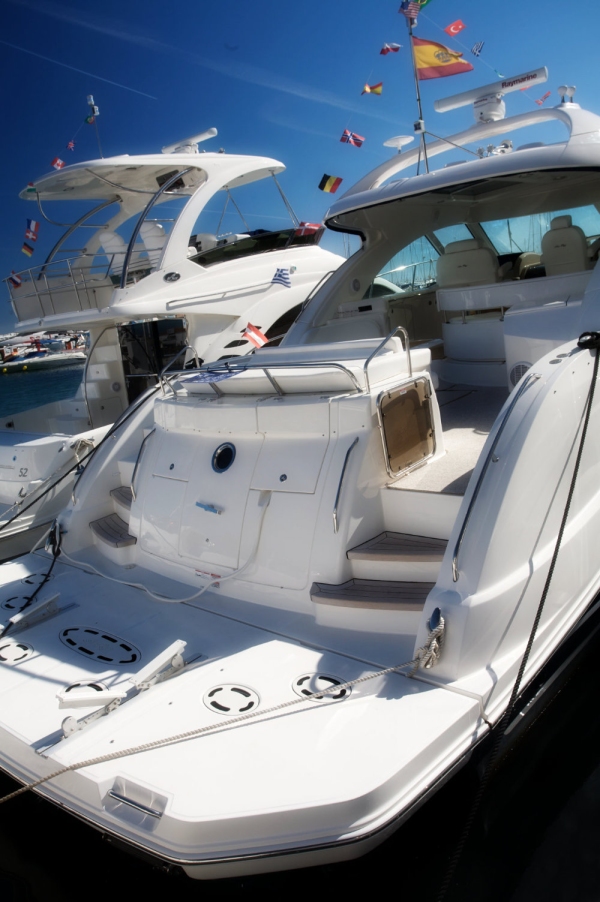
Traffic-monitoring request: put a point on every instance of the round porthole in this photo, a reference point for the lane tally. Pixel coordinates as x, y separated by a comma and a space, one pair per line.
223, 457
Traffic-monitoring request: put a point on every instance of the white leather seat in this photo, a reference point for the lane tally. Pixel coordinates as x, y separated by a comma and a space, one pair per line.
467, 262
153, 236
115, 249
564, 248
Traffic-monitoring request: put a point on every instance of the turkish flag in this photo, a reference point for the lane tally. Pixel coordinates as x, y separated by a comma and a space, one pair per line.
454, 28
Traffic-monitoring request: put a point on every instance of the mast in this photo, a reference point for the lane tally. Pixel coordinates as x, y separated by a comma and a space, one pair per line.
420, 124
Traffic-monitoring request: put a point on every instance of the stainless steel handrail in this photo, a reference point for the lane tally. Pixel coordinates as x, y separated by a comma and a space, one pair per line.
138, 460
491, 457
339, 489
141, 220
382, 345
290, 364
186, 347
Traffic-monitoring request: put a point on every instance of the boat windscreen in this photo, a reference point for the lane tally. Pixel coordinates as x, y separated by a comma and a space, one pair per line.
258, 241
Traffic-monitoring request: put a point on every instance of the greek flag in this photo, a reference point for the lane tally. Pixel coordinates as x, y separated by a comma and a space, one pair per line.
282, 277
477, 48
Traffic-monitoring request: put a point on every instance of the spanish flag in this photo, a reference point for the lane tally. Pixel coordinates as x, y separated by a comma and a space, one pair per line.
330, 183
436, 61
373, 89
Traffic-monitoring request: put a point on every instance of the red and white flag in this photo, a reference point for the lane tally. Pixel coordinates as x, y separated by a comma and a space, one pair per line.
454, 28
308, 228
57, 163
14, 278
540, 102
254, 335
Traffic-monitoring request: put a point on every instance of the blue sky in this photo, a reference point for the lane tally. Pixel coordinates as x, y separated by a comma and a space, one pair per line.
276, 78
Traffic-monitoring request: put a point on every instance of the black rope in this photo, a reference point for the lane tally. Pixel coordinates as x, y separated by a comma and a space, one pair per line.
122, 419
588, 341
53, 542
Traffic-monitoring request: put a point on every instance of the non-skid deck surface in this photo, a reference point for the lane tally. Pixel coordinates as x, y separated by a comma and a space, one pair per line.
468, 414
113, 531
398, 546
376, 594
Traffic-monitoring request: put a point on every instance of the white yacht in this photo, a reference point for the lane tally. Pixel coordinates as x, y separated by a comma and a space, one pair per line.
172, 291
294, 592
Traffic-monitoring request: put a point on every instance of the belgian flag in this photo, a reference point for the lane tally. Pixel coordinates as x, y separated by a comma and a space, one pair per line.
330, 183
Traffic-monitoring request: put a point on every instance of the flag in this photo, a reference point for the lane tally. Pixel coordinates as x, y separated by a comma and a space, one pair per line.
308, 228
27, 249
254, 335
31, 188
71, 145
540, 102
389, 48
57, 163
15, 279
454, 28
90, 120
373, 89
31, 236
282, 277
32, 225
433, 60
499, 74
477, 48
352, 138
330, 183
410, 8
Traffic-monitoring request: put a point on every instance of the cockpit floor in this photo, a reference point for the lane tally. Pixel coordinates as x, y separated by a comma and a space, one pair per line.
468, 413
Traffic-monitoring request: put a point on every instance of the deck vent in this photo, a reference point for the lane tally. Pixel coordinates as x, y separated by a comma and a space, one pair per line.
518, 371
12, 652
99, 646
23, 589
231, 700
308, 683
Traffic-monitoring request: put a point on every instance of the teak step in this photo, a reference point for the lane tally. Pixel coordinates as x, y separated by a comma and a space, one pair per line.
376, 594
123, 495
399, 546
113, 531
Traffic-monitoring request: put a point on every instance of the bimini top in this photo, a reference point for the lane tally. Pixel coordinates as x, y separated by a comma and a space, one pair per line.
580, 150
144, 174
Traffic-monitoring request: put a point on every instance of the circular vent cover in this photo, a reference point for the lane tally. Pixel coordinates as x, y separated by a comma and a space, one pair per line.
100, 646
518, 371
313, 682
231, 700
12, 652
22, 591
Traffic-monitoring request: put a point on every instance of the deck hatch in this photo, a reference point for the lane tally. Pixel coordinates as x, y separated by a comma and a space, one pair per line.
406, 420
99, 646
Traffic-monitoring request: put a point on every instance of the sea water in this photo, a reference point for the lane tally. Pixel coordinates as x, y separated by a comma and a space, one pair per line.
22, 391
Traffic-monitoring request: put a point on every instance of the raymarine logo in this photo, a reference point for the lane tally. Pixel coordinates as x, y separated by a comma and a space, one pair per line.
519, 81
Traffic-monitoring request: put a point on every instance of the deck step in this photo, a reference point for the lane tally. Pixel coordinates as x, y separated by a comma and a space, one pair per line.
123, 496
113, 531
399, 546
375, 594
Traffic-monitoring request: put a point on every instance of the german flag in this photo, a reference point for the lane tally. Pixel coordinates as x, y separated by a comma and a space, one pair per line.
373, 89
330, 183
27, 249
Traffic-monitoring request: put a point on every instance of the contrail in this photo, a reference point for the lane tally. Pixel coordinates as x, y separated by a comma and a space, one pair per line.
74, 69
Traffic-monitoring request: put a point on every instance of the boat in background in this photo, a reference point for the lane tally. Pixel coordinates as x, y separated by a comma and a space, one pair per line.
41, 351
171, 292
296, 590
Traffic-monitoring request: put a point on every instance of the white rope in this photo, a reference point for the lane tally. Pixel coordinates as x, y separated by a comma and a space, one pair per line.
422, 654
89, 568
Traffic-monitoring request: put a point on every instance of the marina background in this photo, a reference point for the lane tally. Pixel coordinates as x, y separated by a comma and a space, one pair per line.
282, 83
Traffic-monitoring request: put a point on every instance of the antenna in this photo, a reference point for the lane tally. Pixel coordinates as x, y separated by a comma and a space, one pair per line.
92, 119
398, 142
190, 145
487, 100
